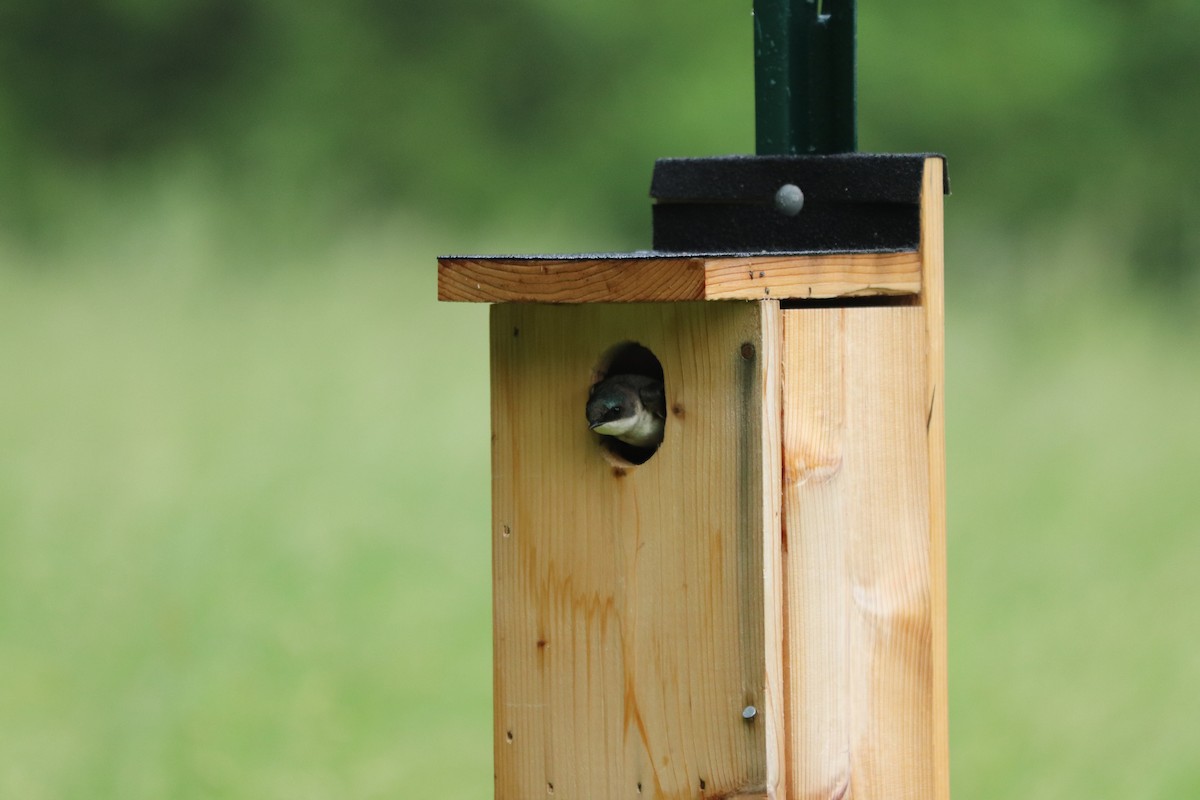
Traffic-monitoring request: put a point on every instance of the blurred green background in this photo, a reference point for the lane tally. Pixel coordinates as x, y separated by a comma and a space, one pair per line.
243, 452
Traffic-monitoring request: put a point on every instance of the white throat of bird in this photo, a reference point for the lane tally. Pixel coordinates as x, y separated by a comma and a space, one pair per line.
641, 429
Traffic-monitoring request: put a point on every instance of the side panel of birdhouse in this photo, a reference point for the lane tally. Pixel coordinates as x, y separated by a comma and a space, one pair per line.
864, 515
637, 608
857, 518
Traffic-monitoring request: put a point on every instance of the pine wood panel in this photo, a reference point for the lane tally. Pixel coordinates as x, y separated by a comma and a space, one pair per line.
630, 602
570, 280
654, 278
857, 519
822, 276
774, 586
933, 305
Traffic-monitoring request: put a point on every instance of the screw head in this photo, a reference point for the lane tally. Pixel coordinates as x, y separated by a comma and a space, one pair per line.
789, 199
749, 713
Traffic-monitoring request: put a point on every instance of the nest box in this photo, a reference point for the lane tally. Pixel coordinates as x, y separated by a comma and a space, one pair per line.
756, 607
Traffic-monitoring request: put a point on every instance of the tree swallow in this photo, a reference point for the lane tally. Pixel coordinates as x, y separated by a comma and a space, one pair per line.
632, 408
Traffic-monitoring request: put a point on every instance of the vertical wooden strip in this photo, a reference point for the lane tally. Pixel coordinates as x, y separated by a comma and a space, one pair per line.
774, 588
933, 305
856, 517
629, 601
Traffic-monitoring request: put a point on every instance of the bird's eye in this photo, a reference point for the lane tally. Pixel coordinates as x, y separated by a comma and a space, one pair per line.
615, 411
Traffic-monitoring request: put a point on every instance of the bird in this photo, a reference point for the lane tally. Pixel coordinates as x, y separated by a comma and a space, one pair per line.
631, 408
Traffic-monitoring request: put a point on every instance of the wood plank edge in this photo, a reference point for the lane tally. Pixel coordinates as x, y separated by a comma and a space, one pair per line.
774, 588
632, 279
822, 276
932, 300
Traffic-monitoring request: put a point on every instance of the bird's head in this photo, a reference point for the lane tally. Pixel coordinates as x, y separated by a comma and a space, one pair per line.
613, 408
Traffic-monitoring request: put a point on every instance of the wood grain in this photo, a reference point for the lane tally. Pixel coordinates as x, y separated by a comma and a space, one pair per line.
631, 602
933, 307
570, 280
654, 278
813, 277
774, 586
856, 515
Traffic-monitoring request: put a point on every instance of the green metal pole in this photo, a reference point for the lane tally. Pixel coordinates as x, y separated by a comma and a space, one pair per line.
804, 76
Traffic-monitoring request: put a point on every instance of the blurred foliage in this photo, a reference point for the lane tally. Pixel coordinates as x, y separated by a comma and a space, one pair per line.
480, 113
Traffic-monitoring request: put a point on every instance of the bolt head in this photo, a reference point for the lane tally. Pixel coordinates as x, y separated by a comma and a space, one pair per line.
789, 199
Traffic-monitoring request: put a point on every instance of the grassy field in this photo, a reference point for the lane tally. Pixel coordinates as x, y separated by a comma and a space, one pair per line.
243, 529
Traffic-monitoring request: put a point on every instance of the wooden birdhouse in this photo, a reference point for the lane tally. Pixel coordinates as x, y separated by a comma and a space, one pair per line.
755, 607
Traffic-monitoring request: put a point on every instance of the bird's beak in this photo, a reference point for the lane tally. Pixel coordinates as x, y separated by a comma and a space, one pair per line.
592, 426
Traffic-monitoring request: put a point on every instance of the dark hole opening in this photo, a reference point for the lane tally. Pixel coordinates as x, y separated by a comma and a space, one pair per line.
628, 358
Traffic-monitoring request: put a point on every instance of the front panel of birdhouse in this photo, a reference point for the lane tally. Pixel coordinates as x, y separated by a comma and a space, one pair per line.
637, 608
